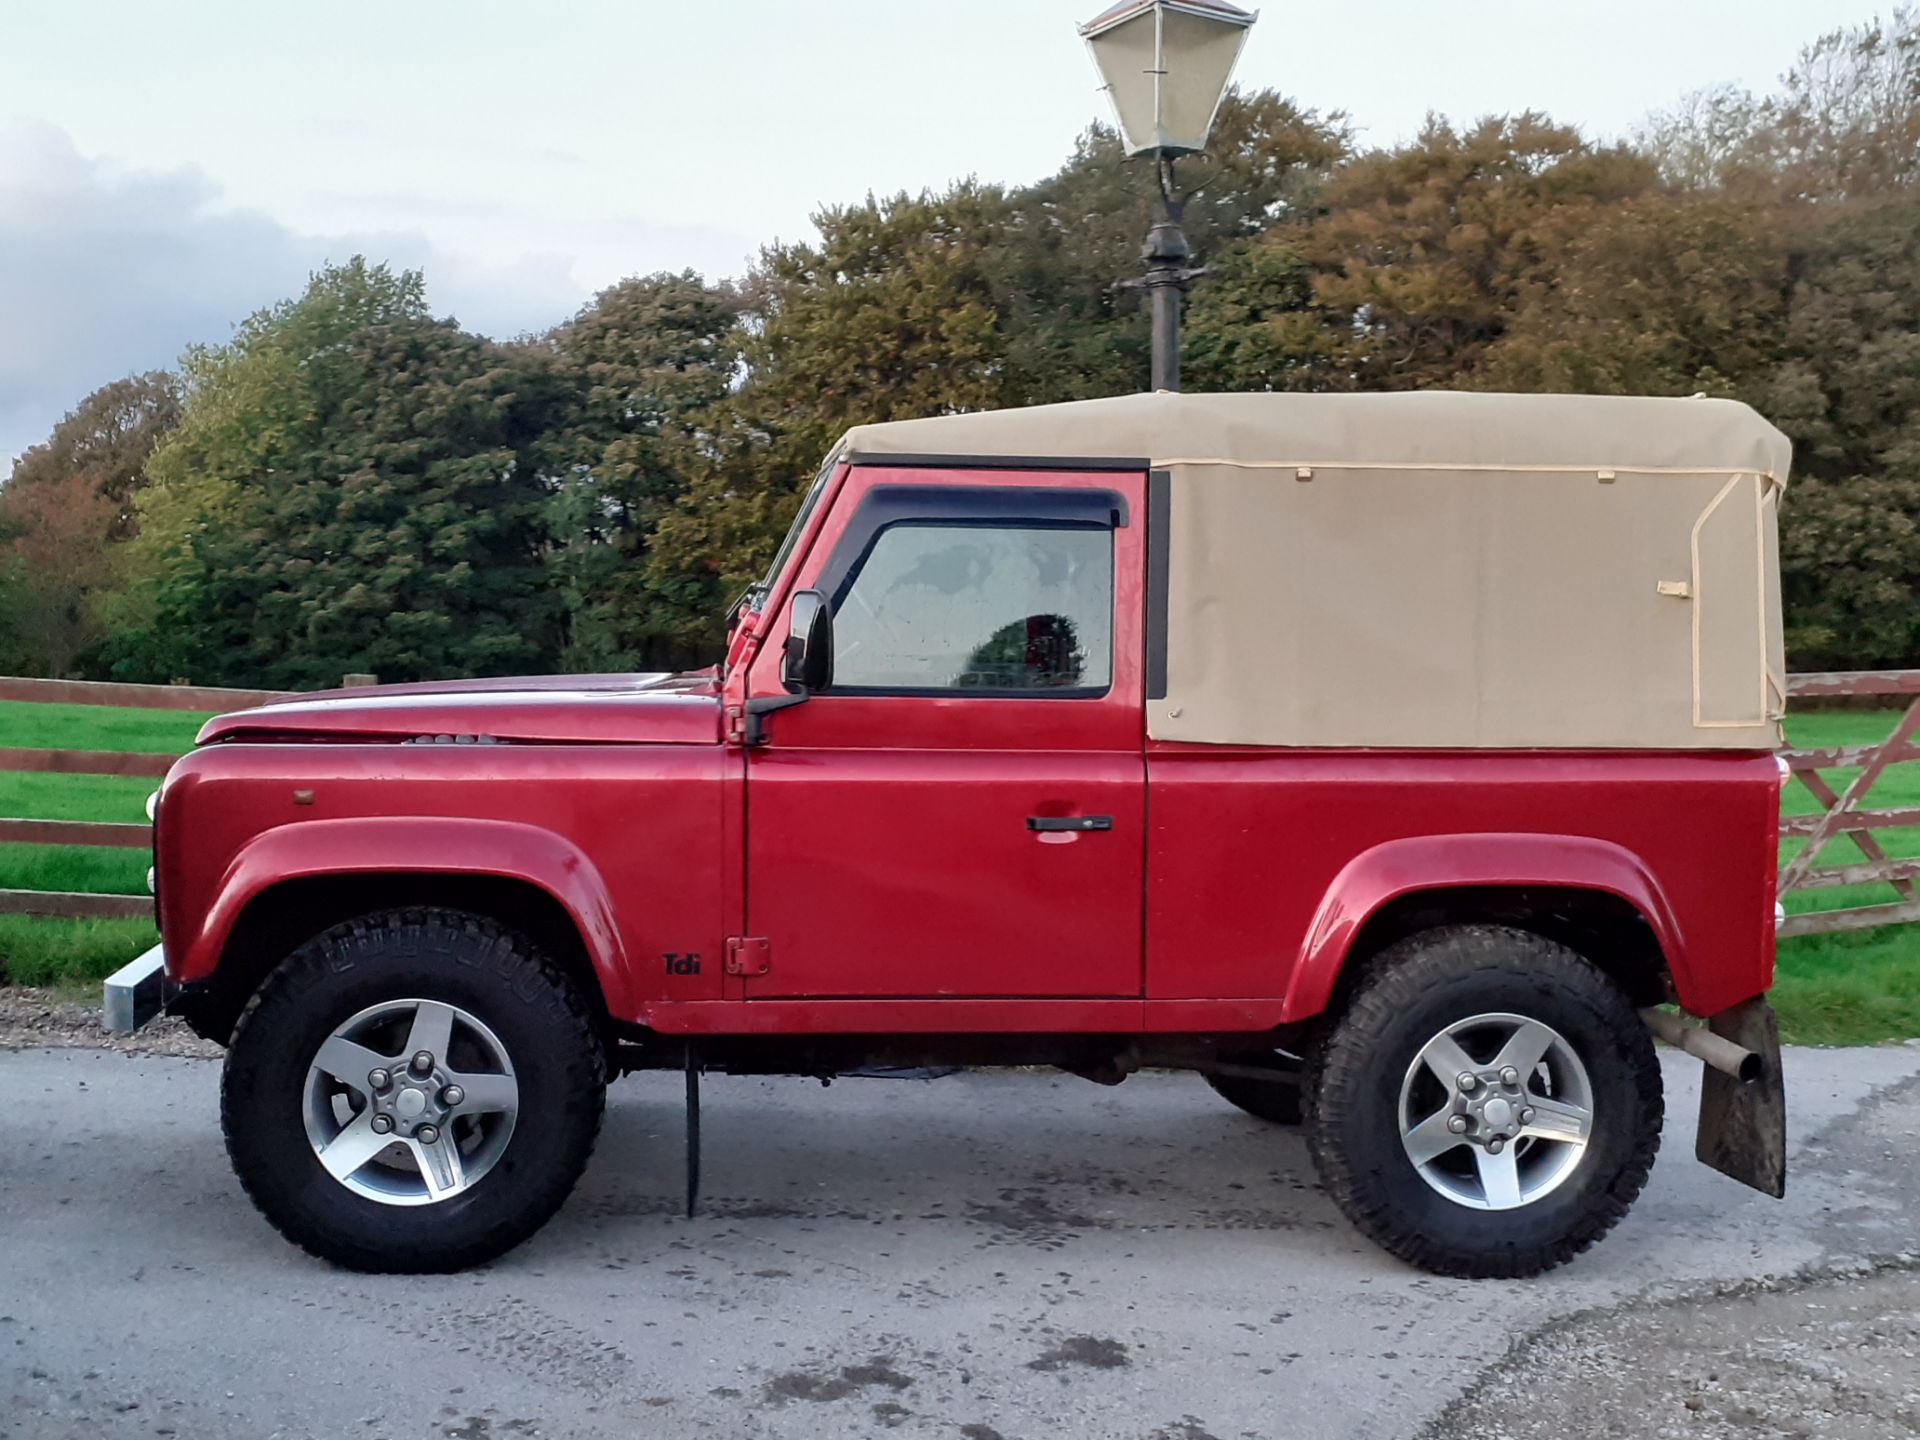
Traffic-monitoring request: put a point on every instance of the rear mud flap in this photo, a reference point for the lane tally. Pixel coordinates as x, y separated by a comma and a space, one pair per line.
1743, 1123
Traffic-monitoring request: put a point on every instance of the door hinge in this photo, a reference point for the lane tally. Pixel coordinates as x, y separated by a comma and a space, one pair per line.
749, 955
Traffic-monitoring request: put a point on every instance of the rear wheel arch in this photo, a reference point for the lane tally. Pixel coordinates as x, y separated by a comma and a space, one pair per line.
1592, 895
284, 916
1604, 927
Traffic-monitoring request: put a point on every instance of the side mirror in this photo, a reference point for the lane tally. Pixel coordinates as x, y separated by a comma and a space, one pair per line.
807, 664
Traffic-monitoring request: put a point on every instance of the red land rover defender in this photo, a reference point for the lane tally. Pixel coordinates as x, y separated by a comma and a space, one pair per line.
1380, 758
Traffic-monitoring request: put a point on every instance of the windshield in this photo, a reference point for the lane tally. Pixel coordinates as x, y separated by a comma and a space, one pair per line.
757, 593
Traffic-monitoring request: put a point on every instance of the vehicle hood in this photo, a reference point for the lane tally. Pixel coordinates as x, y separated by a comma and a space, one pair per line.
550, 709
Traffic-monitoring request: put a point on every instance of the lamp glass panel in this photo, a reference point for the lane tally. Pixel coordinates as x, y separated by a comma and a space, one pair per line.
1125, 57
1199, 60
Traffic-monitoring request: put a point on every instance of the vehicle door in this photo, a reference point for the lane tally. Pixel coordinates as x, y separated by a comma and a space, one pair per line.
959, 812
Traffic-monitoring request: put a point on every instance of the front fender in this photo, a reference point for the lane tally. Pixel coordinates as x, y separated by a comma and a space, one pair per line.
422, 845
1388, 871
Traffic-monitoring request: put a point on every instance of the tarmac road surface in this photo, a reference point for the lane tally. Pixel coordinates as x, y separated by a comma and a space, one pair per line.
1015, 1255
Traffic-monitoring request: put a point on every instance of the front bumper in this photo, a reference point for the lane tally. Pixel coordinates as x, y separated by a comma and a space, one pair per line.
137, 992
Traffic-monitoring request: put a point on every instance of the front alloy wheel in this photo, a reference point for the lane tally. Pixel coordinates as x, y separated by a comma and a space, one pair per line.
391, 1117
414, 1090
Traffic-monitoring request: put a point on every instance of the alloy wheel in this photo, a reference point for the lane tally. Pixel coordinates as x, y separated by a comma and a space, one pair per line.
410, 1102
1496, 1111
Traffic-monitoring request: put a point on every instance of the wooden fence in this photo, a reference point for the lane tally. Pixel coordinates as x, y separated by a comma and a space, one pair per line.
77, 904
1843, 808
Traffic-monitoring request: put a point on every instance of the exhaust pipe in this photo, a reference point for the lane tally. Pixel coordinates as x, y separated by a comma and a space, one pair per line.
1701, 1043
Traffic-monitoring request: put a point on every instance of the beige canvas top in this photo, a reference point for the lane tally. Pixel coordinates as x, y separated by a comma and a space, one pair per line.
1439, 569
1444, 429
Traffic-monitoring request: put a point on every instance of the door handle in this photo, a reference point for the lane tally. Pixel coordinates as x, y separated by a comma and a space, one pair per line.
1069, 822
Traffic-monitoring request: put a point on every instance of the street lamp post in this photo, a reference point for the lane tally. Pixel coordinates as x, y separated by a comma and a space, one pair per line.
1165, 65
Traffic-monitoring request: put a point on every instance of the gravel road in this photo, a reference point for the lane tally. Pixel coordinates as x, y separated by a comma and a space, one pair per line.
982, 1256
31, 1018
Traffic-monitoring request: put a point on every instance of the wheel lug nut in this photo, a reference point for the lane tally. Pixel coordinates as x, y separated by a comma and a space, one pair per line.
1526, 1115
452, 1096
427, 1134
1496, 1145
1509, 1076
422, 1062
379, 1079
1467, 1081
382, 1124
1457, 1124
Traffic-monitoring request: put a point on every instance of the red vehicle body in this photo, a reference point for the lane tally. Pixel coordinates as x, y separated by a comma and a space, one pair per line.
863, 874
1229, 896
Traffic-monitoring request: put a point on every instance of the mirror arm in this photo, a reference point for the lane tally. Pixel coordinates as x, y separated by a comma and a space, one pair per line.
755, 711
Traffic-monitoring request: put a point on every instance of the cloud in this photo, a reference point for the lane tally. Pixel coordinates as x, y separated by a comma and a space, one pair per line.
105, 272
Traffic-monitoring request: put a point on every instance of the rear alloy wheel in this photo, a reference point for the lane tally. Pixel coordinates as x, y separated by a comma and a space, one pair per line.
1495, 1111
1489, 1103
416, 1090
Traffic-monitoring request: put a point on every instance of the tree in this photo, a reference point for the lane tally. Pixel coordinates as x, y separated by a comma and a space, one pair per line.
1253, 325
1709, 141
1848, 124
57, 569
1847, 389
889, 315
404, 536
972, 298
1845, 124
1418, 263
65, 513
1657, 295
108, 437
249, 406
354, 486
647, 359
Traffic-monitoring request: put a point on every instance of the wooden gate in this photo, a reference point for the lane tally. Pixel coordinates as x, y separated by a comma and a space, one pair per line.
1844, 808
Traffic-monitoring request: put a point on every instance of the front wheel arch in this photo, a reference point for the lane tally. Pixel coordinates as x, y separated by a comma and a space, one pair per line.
283, 917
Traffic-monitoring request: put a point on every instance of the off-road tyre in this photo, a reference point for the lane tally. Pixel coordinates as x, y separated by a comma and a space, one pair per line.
1410, 992
466, 960
1276, 1101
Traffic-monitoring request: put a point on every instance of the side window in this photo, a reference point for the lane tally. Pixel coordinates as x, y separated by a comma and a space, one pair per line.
989, 606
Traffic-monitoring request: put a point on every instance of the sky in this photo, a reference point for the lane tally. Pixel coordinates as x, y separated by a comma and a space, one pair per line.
165, 170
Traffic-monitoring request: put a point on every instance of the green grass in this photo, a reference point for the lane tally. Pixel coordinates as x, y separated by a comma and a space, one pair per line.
74, 867
1858, 988
39, 951
98, 727
34, 795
